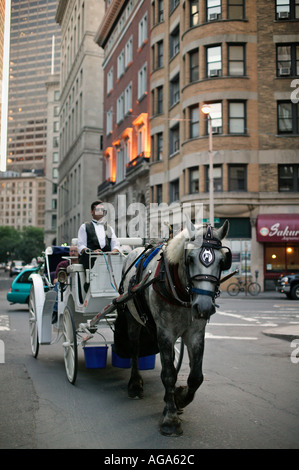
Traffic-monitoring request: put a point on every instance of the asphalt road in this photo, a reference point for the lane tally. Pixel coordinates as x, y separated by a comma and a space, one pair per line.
248, 400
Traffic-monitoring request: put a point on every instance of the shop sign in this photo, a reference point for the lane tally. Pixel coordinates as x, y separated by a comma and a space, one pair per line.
278, 228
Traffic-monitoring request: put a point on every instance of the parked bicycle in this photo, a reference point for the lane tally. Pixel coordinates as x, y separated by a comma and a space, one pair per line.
241, 286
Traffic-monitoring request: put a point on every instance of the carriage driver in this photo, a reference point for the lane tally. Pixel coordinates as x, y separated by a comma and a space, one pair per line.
96, 235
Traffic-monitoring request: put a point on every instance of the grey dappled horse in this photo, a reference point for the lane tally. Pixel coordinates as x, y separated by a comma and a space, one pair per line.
181, 302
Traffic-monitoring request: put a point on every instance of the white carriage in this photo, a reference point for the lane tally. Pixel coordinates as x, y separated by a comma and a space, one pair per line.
86, 303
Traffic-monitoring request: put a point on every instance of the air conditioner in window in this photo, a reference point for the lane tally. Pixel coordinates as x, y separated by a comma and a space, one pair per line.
214, 16
284, 71
215, 73
282, 15
216, 130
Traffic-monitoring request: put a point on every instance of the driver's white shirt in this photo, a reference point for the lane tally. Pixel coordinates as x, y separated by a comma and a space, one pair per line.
100, 231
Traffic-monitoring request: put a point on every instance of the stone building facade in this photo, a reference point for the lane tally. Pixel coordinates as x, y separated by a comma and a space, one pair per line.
81, 114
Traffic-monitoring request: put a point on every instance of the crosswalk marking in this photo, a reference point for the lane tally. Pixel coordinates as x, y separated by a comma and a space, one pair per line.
4, 323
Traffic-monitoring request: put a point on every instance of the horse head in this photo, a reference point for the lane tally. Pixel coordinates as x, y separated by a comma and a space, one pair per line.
199, 252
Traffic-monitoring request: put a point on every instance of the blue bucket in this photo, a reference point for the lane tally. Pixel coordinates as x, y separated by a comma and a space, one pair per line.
95, 357
147, 362
120, 362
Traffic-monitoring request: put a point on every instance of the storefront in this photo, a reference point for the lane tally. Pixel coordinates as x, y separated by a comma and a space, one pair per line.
279, 234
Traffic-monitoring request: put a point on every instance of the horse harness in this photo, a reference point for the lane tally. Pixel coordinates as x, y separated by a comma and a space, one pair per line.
207, 258
166, 282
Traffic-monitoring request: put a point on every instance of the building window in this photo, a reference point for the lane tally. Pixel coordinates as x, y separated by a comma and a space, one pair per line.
127, 150
121, 64
159, 109
173, 4
194, 121
216, 118
288, 117
159, 146
175, 90
287, 61
129, 52
159, 193
110, 80
141, 138
142, 31
194, 65
109, 122
236, 9
236, 117
120, 108
159, 54
236, 60
142, 79
160, 11
174, 43
213, 61
128, 99
288, 178
55, 157
237, 178
174, 139
194, 13
217, 178
120, 165
174, 190
287, 9
213, 10
193, 180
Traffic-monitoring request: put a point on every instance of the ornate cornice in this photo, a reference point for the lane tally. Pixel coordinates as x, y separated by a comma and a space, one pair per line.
60, 11
108, 22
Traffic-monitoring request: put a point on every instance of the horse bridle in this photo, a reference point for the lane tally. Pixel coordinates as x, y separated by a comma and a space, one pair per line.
207, 258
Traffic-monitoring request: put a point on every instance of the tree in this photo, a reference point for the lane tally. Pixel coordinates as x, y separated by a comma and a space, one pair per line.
32, 243
25, 244
10, 240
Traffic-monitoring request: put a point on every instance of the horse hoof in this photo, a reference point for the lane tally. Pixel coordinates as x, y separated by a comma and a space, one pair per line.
171, 429
135, 395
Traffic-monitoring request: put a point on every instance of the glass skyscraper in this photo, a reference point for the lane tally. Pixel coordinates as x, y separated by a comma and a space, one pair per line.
33, 28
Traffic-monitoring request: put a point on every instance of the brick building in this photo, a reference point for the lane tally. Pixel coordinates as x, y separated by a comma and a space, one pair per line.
126, 105
242, 59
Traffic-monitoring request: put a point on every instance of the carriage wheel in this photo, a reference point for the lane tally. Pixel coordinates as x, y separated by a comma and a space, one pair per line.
70, 346
178, 353
33, 323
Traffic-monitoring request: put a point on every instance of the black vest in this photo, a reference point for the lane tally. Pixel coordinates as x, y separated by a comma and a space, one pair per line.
92, 239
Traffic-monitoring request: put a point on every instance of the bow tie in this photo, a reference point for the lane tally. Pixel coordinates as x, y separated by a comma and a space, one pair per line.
98, 222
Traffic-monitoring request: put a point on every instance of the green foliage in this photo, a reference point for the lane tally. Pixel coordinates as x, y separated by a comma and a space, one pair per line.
25, 244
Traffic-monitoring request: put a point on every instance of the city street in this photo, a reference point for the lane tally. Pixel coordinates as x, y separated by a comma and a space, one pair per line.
248, 400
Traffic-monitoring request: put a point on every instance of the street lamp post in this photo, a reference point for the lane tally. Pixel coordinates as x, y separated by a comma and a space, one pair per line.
206, 109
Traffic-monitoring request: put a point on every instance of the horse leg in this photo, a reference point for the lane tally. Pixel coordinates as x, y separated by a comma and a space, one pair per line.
185, 395
171, 424
135, 385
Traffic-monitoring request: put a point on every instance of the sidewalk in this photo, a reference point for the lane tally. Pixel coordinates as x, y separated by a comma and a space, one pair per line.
288, 332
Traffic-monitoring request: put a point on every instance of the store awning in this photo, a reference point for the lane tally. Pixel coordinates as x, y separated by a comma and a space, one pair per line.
282, 228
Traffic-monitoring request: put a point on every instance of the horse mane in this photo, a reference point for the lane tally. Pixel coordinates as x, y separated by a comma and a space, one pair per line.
175, 247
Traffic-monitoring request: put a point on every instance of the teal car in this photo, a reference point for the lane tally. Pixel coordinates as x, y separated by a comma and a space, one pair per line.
20, 288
